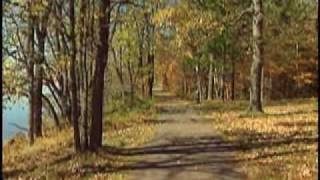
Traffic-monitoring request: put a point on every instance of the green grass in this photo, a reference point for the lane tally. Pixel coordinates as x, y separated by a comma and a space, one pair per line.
279, 144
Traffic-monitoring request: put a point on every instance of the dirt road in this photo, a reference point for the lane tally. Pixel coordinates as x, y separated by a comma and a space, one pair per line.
185, 147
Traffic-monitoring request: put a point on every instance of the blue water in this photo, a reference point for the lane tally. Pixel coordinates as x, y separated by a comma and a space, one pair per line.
14, 118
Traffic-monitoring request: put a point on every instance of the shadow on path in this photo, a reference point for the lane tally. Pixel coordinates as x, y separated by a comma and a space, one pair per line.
207, 154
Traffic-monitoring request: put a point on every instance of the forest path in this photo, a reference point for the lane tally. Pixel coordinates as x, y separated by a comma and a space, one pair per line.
185, 146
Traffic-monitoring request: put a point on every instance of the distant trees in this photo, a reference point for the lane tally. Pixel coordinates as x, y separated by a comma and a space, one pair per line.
192, 28
233, 45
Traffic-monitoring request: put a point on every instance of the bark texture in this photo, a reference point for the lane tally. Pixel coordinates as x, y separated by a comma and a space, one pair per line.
98, 80
74, 95
38, 75
257, 64
210, 80
30, 52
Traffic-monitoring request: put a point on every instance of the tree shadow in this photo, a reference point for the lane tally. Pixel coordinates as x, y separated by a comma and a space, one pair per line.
173, 110
241, 105
209, 151
293, 124
291, 113
171, 163
212, 152
182, 154
161, 96
209, 144
17, 172
220, 106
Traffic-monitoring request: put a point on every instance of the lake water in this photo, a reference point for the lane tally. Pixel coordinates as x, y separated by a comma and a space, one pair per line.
15, 119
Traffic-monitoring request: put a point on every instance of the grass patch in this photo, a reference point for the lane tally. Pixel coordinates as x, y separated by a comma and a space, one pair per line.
279, 144
53, 157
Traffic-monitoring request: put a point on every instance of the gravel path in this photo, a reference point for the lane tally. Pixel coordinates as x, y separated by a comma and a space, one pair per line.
184, 147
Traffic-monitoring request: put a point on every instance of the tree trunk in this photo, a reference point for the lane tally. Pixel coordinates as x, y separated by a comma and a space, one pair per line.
30, 52
84, 88
63, 48
210, 80
223, 77
140, 64
233, 80
165, 81
31, 105
120, 76
141, 36
151, 74
199, 93
85, 116
141, 74
131, 83
216, 83
98, 81
74, 95
257, 64
185, 88
221, 88
38, 100
262, 85
41, 35
213, 83
65, 97
119, 70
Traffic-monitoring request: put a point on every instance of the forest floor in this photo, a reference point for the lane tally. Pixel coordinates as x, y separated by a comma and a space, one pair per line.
178, 139
279, 144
